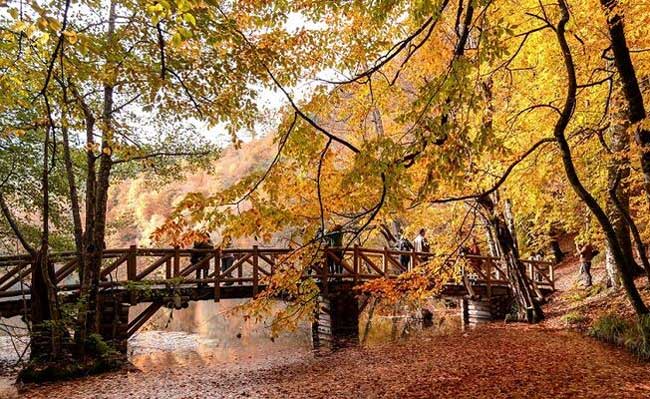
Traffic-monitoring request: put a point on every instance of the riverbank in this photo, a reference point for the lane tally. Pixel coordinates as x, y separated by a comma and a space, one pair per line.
494, 361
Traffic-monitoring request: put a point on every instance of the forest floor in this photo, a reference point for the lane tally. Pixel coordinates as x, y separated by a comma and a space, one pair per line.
497, 360
576, 308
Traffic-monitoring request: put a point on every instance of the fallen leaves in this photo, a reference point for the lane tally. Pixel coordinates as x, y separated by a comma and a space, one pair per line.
495, 361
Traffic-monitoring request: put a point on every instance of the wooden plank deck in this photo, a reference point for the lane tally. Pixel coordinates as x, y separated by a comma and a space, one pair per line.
161, 271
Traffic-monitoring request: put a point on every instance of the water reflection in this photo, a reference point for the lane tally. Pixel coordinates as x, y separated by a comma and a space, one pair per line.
378, 325
210, 331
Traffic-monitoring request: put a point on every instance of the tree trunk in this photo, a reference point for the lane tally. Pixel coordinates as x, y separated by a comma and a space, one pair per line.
81, 332
622, 262
630, 84
371, 314
46, 316
489, 237
528, 308
558, 255
619, 166
510, 221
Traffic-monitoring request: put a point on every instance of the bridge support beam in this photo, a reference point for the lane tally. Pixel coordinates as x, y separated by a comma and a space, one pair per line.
476, 311
337, 319
114, 323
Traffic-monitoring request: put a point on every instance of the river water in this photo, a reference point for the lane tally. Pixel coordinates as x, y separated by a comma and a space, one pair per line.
210, 336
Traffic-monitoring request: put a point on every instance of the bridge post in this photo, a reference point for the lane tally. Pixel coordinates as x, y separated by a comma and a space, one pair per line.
337, 318
217, 274
132, 264
132, 268
355, 263
177, 261
256, 270
479, 310
114, 323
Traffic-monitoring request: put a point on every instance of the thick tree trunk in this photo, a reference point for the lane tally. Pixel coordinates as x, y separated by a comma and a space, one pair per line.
510, 222
96, 238
81, 332
97, 198
46, 315
46, 340
528, 308
635, 108
622, 262
619, 167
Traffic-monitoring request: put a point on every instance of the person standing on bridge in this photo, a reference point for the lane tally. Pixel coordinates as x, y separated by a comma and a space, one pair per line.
421, 244
334, 240
404, 245
227, 258
203, 244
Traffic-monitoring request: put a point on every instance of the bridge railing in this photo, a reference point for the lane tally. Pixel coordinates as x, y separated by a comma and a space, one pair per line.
218, 267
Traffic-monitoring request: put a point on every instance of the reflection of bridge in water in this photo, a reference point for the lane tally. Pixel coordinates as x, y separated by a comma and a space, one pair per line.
168, 277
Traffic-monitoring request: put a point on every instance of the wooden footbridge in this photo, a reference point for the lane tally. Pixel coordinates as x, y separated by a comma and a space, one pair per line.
168, 277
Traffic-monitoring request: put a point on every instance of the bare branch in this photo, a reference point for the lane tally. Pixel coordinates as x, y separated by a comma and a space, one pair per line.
161, 46
318, 185
276, 159
14, 226
296, 109
395, 51
501, 180
162, 154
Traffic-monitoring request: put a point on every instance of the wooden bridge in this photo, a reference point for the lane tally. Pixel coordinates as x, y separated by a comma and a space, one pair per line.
168, 277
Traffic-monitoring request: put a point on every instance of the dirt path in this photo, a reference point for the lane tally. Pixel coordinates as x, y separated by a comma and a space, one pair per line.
491, 362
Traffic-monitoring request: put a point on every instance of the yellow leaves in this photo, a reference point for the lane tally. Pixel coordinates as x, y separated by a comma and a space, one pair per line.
44, 38
183, 5
155, 8
14, 132
70, 36
42, 23
189, 18
14, 13
54, 24
91, 147
20, 26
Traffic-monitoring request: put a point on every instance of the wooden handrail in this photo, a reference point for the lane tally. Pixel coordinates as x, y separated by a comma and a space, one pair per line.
358, 263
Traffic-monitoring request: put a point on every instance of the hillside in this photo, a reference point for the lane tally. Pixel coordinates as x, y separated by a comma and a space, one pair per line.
137, 207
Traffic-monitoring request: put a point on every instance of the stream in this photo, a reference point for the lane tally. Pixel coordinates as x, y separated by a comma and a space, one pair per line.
209, 336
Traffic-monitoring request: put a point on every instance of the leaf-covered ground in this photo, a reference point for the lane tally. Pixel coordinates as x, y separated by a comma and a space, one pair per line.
496, 361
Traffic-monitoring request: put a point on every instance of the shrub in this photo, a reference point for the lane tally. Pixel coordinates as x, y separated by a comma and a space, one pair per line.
633, 336
96, 345
573, 318
637, 338
609, 328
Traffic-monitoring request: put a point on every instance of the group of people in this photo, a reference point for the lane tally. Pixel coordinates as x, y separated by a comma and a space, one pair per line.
333, 239
204, 242
420, 244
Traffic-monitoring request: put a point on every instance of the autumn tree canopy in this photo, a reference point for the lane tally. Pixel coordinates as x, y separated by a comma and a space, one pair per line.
452, 115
